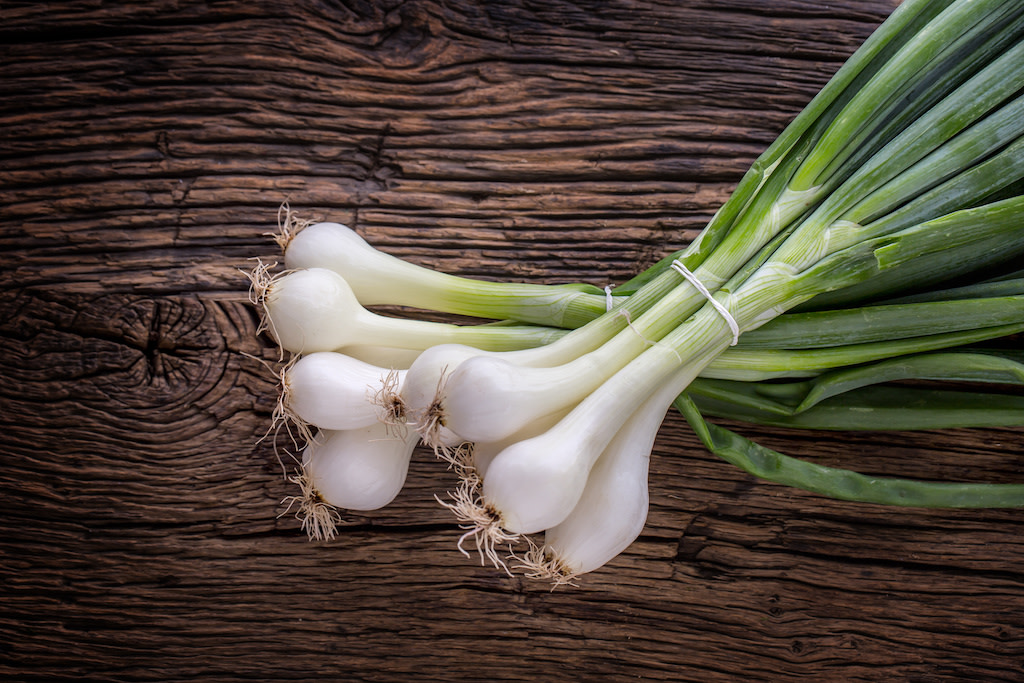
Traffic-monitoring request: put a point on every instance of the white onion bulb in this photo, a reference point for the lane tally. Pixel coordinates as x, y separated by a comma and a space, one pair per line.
359, 469
335, 391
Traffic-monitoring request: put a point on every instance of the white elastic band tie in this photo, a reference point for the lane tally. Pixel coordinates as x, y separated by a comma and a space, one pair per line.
609, 302
692, 279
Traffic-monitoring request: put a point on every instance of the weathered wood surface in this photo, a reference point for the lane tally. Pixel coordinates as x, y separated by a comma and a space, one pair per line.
144, 150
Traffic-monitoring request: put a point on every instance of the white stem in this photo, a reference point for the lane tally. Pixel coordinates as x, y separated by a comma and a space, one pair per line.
383, 356
534, 484
525, 385
490, 398
485, 451
612, 511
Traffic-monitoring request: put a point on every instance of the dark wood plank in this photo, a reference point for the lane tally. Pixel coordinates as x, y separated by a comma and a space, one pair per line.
144, 151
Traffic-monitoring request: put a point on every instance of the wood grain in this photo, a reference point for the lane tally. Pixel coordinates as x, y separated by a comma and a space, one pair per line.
144, 150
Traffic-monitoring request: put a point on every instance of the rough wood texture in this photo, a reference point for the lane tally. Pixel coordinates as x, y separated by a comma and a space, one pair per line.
144, 150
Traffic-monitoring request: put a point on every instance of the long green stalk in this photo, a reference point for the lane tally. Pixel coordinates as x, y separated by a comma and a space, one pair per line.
945, 370
764, 364
841, 483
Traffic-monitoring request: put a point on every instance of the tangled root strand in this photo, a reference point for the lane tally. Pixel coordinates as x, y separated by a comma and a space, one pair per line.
288, 226
319, 518
480, 521
540, 563
392, 406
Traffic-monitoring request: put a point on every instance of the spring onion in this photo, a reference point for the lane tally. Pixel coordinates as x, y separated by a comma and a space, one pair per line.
314, 309
873, 242
379, 278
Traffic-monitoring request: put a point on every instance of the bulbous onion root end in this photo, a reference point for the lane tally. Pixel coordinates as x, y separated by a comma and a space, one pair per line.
284, 416
392, 407
319, 518
260, 280
430, 426
288, 226
481, 522
541, 564
260, 283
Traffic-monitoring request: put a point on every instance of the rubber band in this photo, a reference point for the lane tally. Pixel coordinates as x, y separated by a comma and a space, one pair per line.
609, 302
692, 279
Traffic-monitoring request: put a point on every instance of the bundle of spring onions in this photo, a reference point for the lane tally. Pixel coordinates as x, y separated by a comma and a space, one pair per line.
876, 241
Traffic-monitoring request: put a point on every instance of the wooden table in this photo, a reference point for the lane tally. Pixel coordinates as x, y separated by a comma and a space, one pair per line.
145, 148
